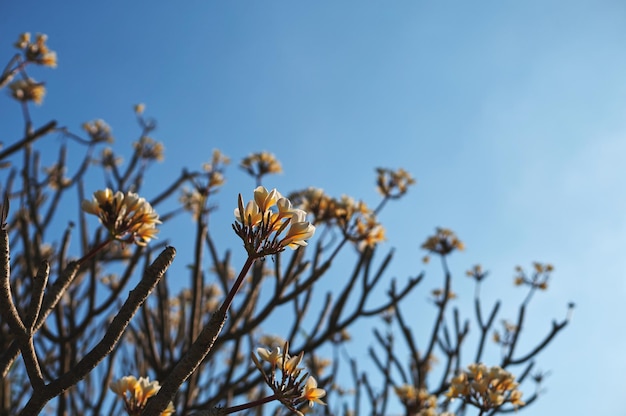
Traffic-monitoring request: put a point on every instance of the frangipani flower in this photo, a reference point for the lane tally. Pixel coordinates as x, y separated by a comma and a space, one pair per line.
312, 393
274, 357
268, 223
292, 386
126, 216
136, 392
485, 387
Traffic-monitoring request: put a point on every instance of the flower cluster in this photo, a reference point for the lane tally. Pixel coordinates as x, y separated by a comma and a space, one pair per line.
393, 183
195, 199
37, 51
127, 217
293, 387
56, 176
443, 242
98, 131
149, 149
354, 218
537, 279
260, 164
214, 169
485, 387
136, 392
264, 220
418, 401
507, 336
477, 273
28, 90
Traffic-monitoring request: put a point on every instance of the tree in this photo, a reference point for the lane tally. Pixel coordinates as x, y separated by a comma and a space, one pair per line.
75, 317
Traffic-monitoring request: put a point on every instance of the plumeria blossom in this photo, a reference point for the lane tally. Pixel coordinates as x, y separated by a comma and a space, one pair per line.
292, 386
136, 392
268, 223
127, 217
312, 393
485, 387
274, 357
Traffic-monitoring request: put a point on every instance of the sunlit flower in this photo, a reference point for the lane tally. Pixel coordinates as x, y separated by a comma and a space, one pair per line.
149, 149
268, 223
485, 387
290, 364
312, 393
291, 385
99, 131
274, 356
299, 231
127, 217
28, 90
36, 51
261, 163
443, 242
139, 108
538, 279
136, 392
393, 183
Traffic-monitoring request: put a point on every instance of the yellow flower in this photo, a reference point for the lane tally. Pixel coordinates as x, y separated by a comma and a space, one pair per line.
263, 220
393, 184
312, 393
274, 357
150, 149
136, 392
48, 59
299, 231
98, 130
139, 108
261, 163
125, 216
406, 392
266, 199
28, 90
23, 41
290, 365
443, 242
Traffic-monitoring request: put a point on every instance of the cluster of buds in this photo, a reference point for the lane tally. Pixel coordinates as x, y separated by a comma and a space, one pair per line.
195, 199
440, 294
537, 279
443, 242
149, 149
393, 183
56, 176
477, 273
28, 90
136, 392
264, 220
357, 221
292, 386
485, 387
418, 401
37, 51
508, 334
98, 131
127, 217
215, 168
261, 163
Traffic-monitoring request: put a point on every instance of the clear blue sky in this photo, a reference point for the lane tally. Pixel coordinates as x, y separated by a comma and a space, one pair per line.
510, 114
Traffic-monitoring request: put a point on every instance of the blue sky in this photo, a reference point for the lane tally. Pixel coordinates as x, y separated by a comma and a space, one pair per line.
509, 114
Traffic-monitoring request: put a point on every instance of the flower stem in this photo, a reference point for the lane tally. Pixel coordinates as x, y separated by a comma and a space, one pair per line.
233, 291
94, 250
250, 405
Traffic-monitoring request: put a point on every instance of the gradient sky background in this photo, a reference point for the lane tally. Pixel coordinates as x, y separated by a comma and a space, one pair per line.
510, 114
